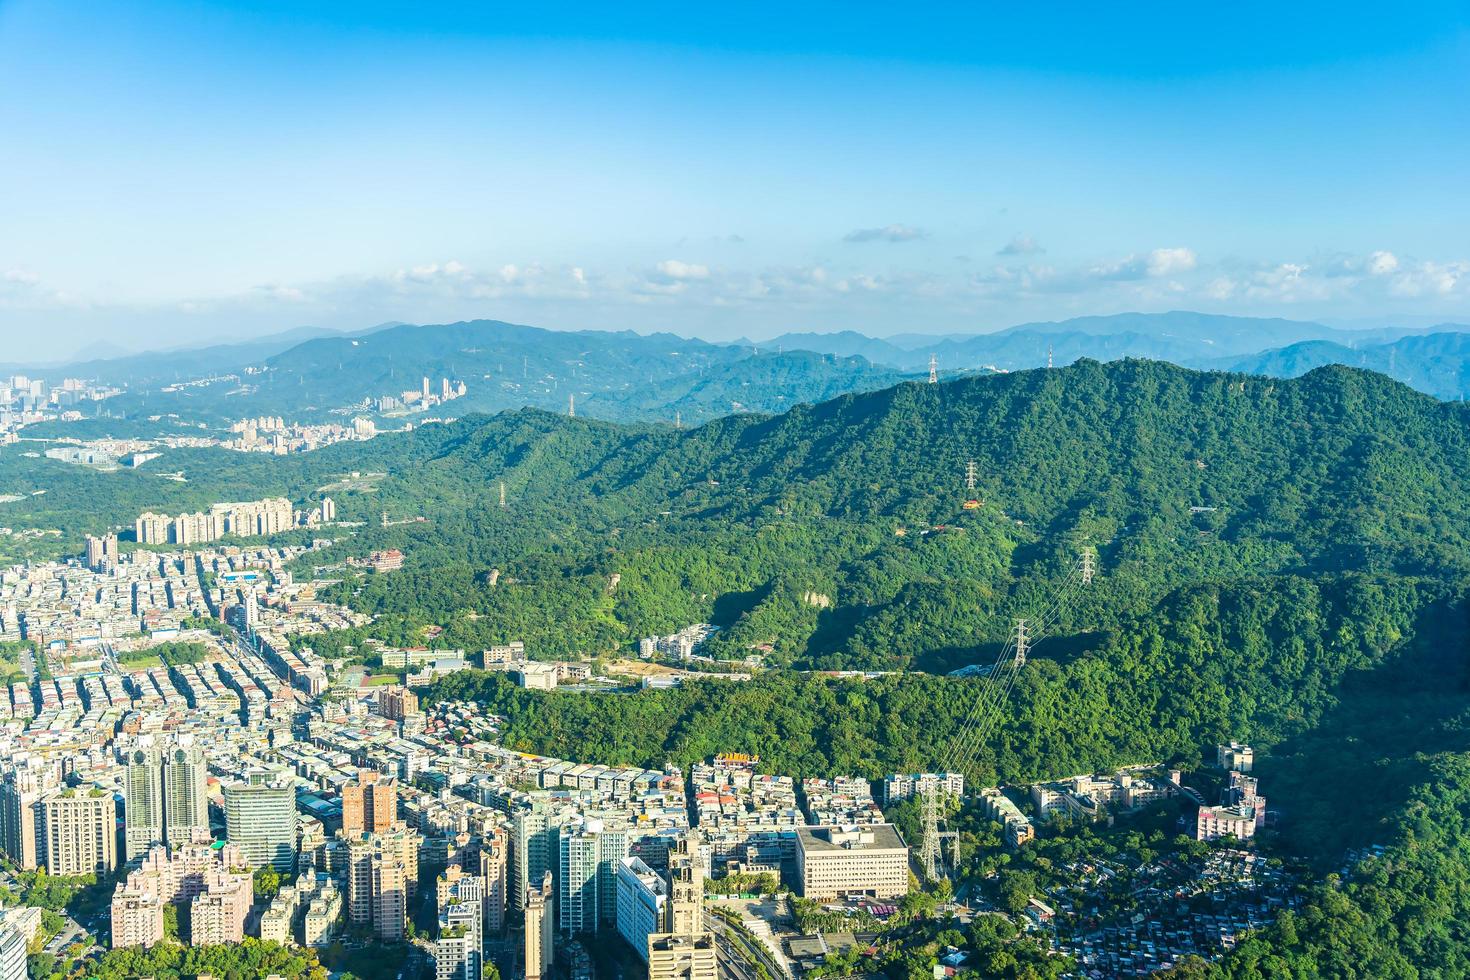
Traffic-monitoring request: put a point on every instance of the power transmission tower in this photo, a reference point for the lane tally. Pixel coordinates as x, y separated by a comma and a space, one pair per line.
929, 845
970, 475
933, 369
1048, 357
502, 495
1089, 555
1022, 642
571, 406
678, 420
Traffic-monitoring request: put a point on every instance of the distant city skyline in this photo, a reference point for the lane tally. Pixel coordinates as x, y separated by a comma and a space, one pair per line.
175, 174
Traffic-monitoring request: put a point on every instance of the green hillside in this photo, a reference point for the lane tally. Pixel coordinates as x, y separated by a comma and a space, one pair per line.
614, 375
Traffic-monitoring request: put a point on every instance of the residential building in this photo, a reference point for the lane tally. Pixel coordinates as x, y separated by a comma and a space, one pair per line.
587, 875
78, 832
186, 802
459, 952
534, 839
24, 781
1237, 756
903, 786
319, 925
642, 894
398, 703
539, 952
12, 953
369, 806
209, 883
1000, 808
142, 798
494, 861
1213, 822
217, 916
382, 876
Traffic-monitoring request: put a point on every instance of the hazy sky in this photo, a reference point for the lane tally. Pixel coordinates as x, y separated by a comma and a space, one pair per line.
178, 171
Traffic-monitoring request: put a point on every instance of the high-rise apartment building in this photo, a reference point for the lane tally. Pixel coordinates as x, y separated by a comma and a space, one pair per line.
185, 799
459, 952
207, 882
398, 703
12, 953
382, 877
587, 875
260, 818
22, 784
534, 840
152, 528
540, 935
165, 800
101, 553
369, 806
217, 916
642, 895
494, 864
78, 832
142, 797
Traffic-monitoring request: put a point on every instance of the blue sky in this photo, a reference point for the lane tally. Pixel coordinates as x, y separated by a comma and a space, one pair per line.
171, 172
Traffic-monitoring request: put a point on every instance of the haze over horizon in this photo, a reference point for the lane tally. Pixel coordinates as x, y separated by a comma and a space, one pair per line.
183, 173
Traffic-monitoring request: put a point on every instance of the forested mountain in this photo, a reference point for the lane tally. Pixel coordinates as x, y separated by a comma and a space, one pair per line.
1433, 361
619, 376
623, 376
1283, 561
151, 368
1437, 363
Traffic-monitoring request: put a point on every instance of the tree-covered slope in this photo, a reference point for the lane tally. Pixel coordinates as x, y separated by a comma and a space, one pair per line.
1436, 363
614, 375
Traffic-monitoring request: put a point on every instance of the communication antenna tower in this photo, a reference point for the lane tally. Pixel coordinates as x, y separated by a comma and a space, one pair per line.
933, 369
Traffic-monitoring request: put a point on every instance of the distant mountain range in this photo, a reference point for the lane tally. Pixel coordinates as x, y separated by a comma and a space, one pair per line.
624, 376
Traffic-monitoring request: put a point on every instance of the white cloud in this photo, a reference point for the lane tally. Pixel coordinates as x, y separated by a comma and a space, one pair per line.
1170, 261
888, 233
686, 295
674, 269
1382, 263
1021, 245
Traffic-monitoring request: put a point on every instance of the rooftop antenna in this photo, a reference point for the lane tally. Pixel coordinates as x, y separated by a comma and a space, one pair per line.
933, 369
